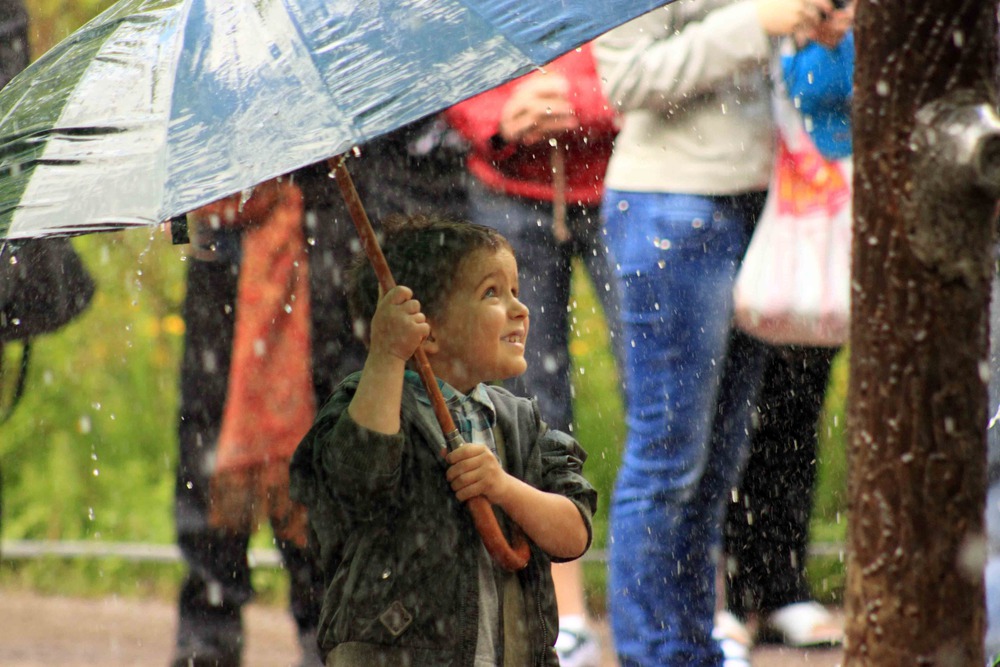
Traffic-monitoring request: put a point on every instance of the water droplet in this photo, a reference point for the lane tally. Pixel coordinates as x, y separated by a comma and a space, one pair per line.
550, 364
882, 87
623, 205
84, 425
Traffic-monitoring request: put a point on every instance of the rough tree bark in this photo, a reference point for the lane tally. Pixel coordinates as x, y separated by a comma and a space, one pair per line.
922, 259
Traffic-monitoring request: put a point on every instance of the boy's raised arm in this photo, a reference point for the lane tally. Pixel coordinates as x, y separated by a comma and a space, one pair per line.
397, 329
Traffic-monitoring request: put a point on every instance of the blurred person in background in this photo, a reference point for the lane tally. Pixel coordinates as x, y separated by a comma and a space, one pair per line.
684, 186
767, 526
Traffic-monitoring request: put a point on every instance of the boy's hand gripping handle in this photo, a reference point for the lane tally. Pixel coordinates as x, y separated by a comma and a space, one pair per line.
509, 558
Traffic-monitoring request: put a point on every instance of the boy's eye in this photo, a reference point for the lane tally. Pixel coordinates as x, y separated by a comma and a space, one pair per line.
490, 292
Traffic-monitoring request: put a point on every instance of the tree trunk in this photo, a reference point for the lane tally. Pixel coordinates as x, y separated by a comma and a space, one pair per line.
922, 263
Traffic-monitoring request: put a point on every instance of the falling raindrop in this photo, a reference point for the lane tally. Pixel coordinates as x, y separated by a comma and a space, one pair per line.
549, 364
84, 425
882, 87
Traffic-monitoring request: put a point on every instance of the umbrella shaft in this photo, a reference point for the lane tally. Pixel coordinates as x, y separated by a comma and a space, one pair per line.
384, 275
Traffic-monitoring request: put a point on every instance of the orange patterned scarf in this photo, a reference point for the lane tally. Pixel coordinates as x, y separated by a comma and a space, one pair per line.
270, 403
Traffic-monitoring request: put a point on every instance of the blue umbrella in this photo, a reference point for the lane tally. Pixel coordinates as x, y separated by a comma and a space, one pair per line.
157, 107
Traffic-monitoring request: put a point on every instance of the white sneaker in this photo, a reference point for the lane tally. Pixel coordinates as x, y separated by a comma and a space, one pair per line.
806, 624
733, 638
578, 648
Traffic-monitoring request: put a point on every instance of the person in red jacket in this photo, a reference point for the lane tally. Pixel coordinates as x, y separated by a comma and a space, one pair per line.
539, 146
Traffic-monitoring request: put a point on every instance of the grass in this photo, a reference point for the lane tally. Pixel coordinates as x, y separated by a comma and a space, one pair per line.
90, 452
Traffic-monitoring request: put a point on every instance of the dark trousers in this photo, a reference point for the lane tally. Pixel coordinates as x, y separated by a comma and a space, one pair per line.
767, 527
218, 583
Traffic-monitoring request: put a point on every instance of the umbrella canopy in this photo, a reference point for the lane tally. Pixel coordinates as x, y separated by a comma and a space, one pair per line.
157, 107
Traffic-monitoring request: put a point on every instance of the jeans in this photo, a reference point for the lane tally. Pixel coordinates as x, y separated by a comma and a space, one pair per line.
691, 386
544, 267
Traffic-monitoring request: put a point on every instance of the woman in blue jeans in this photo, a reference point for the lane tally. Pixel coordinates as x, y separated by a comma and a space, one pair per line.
683, 189
690, 383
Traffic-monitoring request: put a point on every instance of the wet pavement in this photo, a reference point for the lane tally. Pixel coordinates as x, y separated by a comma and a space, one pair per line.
43, 630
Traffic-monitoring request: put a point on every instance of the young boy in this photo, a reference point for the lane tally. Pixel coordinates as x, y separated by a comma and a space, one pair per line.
409, 581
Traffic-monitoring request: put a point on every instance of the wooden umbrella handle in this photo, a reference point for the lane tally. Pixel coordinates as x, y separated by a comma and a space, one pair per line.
510, 558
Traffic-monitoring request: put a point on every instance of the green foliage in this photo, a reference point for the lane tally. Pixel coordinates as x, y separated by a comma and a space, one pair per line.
54, 20
91, 446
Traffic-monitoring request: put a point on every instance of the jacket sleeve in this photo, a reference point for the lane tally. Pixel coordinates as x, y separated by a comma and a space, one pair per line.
654, 62
341, 462
562, 473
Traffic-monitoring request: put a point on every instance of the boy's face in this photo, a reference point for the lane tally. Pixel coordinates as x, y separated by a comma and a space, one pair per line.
481, 331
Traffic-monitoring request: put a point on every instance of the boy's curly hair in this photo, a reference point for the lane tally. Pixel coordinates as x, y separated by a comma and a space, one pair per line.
424, 253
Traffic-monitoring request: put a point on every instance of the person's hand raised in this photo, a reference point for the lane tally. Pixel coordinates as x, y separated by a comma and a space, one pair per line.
538, 109
831, 31
398, 326
787, 17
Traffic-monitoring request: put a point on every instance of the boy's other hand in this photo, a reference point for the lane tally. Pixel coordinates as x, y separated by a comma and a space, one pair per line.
831, 31
475, 471
786, 17
398, 326
539, 108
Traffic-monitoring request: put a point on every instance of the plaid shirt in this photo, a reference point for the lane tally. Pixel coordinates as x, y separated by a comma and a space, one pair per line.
474, 416
473, 413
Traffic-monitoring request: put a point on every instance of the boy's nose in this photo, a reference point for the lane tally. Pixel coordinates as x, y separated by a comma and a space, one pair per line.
518, 310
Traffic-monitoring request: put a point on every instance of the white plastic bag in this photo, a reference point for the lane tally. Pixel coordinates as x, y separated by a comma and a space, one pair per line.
794, 284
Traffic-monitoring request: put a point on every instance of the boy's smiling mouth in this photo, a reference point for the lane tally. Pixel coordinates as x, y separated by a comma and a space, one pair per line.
516, 338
